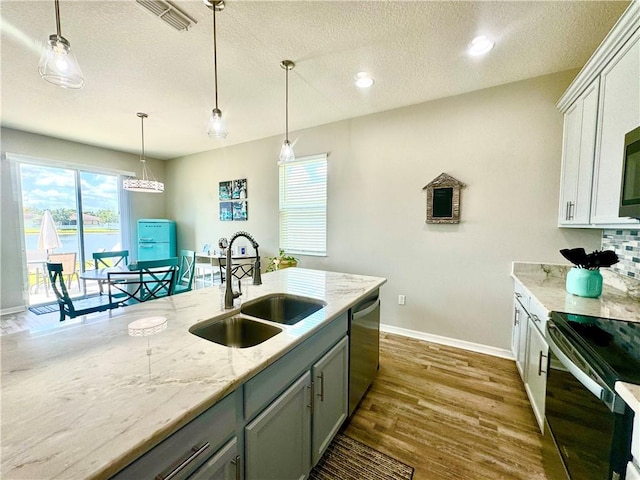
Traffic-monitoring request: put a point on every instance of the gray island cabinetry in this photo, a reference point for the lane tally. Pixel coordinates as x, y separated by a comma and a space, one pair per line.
277, 424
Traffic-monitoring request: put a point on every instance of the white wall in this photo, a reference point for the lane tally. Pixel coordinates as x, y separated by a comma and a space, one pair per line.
504, 143
12, 280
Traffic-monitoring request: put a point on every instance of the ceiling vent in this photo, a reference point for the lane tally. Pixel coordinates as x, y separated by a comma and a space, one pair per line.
169, 13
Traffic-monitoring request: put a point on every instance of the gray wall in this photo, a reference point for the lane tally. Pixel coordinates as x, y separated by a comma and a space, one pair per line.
504, 143
12, 279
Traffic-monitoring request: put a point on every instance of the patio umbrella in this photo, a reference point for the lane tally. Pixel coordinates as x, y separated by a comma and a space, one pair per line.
48, 238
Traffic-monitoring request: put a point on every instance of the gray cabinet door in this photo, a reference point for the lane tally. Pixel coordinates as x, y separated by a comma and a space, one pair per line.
278, 441
224, 465
330, 403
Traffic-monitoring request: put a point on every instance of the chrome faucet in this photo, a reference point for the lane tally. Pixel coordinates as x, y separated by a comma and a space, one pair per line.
229, 294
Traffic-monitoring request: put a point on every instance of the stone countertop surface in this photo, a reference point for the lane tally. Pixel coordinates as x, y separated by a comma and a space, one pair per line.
86, 400
620, 299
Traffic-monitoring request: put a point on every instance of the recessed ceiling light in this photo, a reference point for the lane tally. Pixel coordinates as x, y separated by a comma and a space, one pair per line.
363, 80
480, 45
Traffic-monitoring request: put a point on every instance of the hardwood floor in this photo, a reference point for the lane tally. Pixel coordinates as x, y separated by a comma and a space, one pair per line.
449, 413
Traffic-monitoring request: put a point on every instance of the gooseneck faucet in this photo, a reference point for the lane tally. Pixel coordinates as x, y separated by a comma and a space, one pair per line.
229, 294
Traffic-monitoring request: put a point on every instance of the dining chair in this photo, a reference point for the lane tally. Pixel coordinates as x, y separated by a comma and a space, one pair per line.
186, 272
238, 270
76, 307
69, 267
206, 268
142, 284
109, 259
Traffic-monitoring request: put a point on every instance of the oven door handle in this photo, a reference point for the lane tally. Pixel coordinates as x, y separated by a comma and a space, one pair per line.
590, 384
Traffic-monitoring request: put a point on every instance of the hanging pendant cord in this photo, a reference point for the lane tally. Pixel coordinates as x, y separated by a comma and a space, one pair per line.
58, 29
286, 108
142, 159
215, 57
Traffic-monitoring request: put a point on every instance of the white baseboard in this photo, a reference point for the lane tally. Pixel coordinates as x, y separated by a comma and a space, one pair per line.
9, 311
451, 342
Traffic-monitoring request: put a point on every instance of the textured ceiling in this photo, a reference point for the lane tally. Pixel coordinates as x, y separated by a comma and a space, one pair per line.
132, 61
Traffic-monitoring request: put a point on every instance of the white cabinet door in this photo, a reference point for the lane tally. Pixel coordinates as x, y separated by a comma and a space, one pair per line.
537, 364
330, 404
278, 441
619, 113
519, 337
224, 465
577, 158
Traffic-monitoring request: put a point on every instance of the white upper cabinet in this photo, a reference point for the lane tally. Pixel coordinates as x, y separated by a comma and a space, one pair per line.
577, 158
619, 114
600, 107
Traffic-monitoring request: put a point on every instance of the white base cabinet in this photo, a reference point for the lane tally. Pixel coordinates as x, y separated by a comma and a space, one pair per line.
530, 348
537, 364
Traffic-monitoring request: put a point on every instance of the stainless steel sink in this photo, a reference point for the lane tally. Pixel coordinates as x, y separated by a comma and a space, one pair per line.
282, 308
235, 331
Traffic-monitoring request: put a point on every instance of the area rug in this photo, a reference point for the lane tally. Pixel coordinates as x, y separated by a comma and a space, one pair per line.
348, 459
42, 309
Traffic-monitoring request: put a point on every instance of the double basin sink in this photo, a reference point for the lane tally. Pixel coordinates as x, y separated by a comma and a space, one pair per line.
240, 331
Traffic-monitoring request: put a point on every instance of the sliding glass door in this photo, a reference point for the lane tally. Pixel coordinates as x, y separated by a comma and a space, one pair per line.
68, 214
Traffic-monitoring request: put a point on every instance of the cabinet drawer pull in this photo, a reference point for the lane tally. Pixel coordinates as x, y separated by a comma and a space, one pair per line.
236, 463
518, 295
535, 318
321, 394
540, 357
191, 456
516, 316
310, 404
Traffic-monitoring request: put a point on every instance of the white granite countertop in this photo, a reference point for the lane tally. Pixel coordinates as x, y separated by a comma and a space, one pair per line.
546, 282
84, 401
620, 299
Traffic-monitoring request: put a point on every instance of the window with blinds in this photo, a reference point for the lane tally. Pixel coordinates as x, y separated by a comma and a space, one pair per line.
303, 206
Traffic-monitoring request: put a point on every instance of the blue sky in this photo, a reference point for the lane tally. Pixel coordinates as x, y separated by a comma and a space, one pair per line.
51, 188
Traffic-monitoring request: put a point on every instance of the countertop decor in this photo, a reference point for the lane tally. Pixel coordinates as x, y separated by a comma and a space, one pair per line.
585, 279
78, 402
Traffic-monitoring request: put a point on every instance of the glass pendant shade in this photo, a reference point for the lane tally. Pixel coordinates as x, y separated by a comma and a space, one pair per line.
286, 152
217, 127
59, 66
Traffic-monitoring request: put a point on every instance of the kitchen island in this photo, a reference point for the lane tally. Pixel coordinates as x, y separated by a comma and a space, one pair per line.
86, 400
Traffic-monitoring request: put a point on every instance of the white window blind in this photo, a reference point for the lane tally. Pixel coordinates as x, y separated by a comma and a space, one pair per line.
303, 206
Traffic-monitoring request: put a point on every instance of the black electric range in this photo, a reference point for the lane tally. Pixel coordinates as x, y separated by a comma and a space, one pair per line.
611, 346
590, 424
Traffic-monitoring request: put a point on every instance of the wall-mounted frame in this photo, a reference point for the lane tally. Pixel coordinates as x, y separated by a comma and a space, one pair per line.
443, 199
232, 195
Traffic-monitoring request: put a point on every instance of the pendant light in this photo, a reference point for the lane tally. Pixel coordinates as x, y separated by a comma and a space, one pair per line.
286, 152
148, 183
57, 64
216, 127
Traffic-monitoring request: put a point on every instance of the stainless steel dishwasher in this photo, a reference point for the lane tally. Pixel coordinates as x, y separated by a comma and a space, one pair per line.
364, 346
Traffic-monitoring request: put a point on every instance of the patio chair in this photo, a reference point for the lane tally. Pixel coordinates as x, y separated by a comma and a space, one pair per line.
76, 307
109, 259
148, 280
187, 270
68, 261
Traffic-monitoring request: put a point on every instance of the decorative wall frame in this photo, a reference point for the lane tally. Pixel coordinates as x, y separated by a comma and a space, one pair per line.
443, 199
232, 195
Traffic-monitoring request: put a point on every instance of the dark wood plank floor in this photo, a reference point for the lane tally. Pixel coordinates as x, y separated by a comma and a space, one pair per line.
449, 413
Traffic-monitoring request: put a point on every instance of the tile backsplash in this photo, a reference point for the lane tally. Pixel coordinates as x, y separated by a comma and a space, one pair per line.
626, 243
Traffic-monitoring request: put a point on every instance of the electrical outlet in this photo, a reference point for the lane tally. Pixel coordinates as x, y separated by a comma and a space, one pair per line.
401, 299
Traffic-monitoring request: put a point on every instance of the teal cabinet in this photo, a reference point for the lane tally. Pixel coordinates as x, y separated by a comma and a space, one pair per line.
278, 441
331, 396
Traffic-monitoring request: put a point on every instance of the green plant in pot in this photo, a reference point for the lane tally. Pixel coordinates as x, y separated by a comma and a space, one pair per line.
585, 279
281, 261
